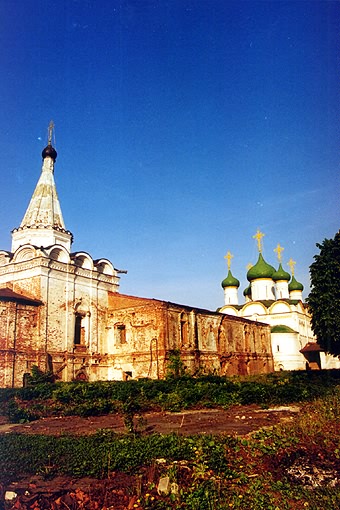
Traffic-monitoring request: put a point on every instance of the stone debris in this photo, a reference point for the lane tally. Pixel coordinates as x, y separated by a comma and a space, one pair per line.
10, 495
163, 487
174, 488
311, 476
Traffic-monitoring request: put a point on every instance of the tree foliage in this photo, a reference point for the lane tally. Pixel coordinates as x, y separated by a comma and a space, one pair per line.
324, 298
38, 376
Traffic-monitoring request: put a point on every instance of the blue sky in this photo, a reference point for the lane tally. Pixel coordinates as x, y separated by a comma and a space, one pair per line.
181, 127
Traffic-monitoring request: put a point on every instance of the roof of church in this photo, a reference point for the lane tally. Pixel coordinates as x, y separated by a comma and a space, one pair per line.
282, 328
43, 221
281, 274
49, 151
247, 291
311, 347
295, 285
260, 270
265, 302
9, 295
44, 208
230, 281
127, 301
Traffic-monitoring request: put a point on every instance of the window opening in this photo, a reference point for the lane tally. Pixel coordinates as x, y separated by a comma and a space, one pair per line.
120, 334
79, 330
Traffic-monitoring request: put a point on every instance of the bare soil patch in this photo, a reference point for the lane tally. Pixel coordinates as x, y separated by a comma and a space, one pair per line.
239, 420
121, 491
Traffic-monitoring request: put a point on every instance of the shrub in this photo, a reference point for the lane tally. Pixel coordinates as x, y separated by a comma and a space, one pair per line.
38, 376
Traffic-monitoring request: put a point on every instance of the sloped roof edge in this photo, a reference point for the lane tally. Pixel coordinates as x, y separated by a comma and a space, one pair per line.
9, 295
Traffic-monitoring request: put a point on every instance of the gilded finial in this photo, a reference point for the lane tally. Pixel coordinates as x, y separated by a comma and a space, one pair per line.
258, 236
279, 249
50, 132
229, 256
291, 263
49, 151
249, 266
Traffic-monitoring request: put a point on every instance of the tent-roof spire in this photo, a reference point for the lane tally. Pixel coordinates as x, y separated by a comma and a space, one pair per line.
43, 223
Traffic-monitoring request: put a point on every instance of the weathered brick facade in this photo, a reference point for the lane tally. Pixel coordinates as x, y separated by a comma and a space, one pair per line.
62, 311
122, 337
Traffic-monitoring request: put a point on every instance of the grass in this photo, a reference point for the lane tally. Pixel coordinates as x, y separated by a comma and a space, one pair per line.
295, 465
173, 394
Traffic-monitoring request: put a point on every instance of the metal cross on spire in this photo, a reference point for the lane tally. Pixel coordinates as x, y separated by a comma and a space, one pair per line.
258, 236
291, 263
229, 256
279, 249
50, 132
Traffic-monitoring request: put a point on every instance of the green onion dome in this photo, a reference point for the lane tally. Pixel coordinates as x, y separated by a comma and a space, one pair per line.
260, 270
247, 291
281, 274
281, 328
230, 281
295, 285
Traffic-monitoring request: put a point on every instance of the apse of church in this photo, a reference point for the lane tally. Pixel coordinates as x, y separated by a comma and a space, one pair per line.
62, 311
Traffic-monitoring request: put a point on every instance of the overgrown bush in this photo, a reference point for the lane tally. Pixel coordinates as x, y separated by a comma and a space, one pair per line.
38, 376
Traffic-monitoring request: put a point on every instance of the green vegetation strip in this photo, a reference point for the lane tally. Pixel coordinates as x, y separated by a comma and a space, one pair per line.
99, 454
212, 472
171, 394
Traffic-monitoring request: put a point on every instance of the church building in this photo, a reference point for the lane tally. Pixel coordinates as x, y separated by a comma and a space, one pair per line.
274, 297
62, 311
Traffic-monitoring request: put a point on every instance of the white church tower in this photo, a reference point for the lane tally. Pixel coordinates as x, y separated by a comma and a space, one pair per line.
260, 276
69, 291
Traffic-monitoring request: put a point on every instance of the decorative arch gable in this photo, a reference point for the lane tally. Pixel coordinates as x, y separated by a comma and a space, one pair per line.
59, 253
83, 259
255, 307
104, 266
5, 257
229, 310
26, 252
279, 307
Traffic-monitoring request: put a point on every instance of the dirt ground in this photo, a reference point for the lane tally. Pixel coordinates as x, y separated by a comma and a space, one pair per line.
123, 491
239, 420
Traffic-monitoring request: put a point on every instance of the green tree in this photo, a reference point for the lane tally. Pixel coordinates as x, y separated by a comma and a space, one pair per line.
324, 298
175, 366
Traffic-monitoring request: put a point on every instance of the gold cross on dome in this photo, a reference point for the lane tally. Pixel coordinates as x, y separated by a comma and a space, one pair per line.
291, 263
279, 249
50, 132
258, 236
229, 256
249, 266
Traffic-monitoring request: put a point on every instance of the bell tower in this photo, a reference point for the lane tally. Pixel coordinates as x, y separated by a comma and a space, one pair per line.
43, 224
